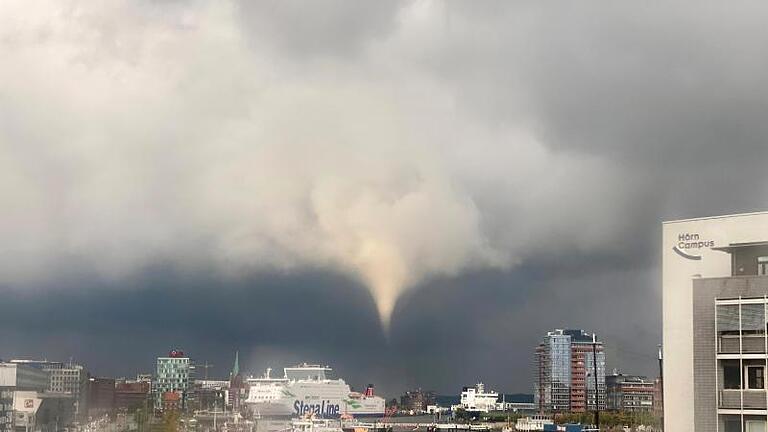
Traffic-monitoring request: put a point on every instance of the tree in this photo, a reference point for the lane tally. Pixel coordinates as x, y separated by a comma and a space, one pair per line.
171, 421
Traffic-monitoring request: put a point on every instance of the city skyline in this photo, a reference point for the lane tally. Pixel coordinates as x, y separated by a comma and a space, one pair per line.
413, 192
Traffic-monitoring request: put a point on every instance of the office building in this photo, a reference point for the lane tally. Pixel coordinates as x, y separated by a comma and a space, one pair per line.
14, 378
715, 295
130, 396
43, 412
101, 396
210, 395
66, 378
172, 376
629, 393
566, 361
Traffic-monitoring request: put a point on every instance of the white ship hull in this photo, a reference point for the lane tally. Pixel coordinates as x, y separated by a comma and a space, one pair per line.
320, 398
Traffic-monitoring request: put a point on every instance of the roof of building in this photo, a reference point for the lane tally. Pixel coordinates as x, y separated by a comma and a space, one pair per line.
716, 217
736, 246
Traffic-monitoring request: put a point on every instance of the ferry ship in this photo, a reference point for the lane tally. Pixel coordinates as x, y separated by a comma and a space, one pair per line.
476, 399
308, 391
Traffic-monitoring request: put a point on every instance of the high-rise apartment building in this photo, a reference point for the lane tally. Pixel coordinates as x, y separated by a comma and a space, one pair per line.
566, 362
172, 376
715, 292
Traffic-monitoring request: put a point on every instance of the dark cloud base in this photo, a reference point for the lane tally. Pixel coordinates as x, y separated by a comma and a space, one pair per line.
445, 334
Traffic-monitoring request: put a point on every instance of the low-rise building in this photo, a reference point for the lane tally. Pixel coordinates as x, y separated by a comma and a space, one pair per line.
416, 401
42, 412
517, 403
13, 378
629, 392
66, 378
101, 394
132, 395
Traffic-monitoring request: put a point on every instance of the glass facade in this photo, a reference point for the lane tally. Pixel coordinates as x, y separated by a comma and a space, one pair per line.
172, 375
590, 381
560, 367
566, 380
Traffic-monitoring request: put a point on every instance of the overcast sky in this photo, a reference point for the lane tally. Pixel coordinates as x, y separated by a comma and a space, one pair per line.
413, 192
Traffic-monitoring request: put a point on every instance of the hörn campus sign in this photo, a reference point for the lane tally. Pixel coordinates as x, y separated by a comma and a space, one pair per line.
689, 244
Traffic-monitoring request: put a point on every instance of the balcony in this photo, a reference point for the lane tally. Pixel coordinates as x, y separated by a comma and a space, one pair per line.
753, 399
729, 344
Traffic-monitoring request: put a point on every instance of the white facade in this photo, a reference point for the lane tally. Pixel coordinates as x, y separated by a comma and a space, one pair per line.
476, 399
533, 423
689, 253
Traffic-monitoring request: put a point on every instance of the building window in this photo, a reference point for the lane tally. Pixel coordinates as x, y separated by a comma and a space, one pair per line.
762, 266
755, 377
731, 377
755, 425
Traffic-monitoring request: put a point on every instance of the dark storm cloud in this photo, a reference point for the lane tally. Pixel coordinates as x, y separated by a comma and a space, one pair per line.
500, 168
118, 329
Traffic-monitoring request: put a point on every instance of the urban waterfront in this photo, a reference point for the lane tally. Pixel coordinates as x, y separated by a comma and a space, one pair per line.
383, 216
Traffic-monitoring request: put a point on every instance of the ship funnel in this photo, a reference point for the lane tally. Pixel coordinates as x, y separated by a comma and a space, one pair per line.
369, 390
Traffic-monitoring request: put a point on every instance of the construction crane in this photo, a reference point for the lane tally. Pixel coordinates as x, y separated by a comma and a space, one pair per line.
206, 366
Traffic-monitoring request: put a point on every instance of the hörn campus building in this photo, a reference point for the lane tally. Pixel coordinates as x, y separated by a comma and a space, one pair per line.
715, 295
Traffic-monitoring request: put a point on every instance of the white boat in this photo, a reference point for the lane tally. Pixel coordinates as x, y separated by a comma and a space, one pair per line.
306, 390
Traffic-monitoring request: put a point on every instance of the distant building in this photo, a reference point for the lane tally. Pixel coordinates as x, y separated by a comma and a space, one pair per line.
658, 398
132, 395
517, 403
15, 377
417, 400
42, 412
565, 381
210, 395
6, 409
171, 401
145, 377
237, 388
101, 394
67, 378
22, 377
629, 393
172, 376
